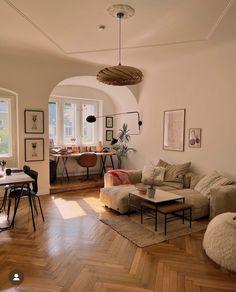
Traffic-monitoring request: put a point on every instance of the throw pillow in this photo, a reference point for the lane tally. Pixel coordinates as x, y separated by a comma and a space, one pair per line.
120, 177
174, 172
153, 175
195, 178
211, 181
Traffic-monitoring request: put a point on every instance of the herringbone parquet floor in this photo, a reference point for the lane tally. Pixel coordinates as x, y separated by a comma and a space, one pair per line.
74, 251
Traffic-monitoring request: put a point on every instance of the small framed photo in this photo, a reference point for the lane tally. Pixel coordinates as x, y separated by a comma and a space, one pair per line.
109, 122
194, 140
109, 135
34, 149
34, 122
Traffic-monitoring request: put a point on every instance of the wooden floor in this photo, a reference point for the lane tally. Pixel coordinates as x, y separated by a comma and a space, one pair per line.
74, 251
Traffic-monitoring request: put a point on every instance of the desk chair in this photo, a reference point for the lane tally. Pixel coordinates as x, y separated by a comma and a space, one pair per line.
25, 191
87, 160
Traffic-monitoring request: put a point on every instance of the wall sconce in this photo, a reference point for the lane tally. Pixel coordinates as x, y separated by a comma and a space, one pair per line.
92, 119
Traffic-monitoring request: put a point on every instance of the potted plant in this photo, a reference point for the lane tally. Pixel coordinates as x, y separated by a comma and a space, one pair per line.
121, 144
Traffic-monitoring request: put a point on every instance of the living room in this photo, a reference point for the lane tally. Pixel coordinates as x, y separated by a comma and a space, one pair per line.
186, 52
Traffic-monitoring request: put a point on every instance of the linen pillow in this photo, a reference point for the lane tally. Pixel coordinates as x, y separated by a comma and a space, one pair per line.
211, 181
195, 178
153, 175
174, 172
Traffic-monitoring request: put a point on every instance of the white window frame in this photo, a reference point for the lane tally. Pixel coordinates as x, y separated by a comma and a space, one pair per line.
60, 100
10, 103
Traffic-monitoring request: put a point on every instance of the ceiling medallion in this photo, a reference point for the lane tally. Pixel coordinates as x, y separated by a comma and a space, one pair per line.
120, 75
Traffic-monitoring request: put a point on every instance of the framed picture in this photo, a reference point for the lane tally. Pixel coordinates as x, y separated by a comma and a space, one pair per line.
109, 122
194, 137
109, 135
34, 122
173, 130
34, 149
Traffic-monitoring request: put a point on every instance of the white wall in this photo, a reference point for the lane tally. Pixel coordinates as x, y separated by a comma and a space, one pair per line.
33, 77
203, 82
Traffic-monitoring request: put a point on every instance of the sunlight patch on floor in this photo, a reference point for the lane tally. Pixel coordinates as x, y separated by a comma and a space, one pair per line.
68, 209
94, 203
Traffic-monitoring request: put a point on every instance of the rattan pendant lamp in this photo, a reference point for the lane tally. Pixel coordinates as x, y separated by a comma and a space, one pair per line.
120, 75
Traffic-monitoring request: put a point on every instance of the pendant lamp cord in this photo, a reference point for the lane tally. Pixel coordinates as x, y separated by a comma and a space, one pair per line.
120, 15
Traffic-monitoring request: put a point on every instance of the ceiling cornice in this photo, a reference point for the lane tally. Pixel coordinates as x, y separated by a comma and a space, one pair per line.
50, 39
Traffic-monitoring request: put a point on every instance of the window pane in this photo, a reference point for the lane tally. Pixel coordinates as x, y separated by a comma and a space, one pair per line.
52, 112
4, 127
69, 123
88, 128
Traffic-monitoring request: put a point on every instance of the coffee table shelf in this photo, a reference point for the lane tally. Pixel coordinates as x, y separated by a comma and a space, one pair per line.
154, 204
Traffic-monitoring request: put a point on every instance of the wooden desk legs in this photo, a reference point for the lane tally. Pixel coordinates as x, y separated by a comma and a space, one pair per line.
103, 164
64, 169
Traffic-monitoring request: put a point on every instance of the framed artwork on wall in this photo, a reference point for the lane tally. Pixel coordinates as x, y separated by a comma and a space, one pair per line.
109, 135
34, 149
173, 130
194, 137
109, 122
34, 122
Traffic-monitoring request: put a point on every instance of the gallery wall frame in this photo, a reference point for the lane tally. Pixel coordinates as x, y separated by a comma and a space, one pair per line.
174, 129
109, 135
194, 137
34, 149
109, 122
34, 121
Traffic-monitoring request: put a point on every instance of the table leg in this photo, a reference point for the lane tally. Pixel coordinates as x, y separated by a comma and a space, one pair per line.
190, 219
112, 163
103, 163
32, 213
141, 214
129, 205
64, 160
156, 218
165, 224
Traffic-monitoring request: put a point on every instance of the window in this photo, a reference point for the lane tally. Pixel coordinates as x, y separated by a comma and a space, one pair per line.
67, 121
52, 110
5, 127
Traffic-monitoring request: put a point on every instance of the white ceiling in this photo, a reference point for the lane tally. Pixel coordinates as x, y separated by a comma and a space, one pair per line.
70, 27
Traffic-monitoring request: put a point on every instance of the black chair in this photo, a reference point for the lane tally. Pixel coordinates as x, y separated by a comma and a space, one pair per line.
25, 191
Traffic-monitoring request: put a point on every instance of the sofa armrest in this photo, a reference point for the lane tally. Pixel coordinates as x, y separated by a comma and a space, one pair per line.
222, 199
135, 177
108, 180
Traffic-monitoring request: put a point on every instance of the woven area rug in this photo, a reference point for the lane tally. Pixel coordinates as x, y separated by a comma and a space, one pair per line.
144, 235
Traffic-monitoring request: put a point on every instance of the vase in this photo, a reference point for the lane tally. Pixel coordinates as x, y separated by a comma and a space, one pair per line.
99, 146
151, 192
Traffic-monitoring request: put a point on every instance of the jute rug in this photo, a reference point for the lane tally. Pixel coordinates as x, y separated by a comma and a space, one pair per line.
144, 234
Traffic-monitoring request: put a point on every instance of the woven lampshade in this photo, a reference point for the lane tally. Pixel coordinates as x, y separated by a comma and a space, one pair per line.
120, 75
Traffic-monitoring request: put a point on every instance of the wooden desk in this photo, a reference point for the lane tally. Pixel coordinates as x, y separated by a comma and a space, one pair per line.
64, 157
18, 178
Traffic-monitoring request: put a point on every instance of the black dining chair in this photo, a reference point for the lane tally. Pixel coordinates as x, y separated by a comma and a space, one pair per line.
26, 191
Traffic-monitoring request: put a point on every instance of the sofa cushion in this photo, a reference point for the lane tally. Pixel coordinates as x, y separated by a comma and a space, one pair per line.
175, 172
135, 176
116, 197
195, 178
211, 181
153, 175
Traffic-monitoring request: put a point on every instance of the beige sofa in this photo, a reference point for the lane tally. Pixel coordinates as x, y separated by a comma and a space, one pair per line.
222, 199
